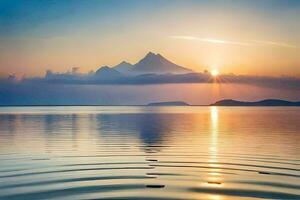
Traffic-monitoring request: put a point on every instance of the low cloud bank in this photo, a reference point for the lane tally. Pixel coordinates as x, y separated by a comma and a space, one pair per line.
109, 78
73, 88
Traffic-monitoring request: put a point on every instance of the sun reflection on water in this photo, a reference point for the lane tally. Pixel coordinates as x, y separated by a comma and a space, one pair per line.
214, 116
214, 178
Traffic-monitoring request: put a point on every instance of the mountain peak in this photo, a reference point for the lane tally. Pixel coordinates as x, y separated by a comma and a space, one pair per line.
124, 63
151, 63
157, 55
124, 67
157, 64
106, 72
157, 58
150, 53
104, 67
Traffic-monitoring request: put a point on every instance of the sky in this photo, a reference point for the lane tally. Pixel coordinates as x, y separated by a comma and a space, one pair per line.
241, 37
254, 45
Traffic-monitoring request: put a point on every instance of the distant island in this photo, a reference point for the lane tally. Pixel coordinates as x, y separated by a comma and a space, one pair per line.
231, 102
169, 103
266, 102
224, 102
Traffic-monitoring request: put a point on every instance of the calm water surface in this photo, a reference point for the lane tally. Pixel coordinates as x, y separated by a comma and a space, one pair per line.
149, 153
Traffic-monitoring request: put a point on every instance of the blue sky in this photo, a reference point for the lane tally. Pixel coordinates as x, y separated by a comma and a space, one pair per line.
19, 17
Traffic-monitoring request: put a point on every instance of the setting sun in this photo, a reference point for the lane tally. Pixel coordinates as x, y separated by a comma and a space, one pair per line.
214, 72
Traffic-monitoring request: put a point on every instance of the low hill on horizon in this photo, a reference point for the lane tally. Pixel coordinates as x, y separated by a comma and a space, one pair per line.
265, 102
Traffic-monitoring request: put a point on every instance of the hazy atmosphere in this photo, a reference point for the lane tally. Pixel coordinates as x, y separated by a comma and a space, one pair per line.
241, 37
149, 99
59, 47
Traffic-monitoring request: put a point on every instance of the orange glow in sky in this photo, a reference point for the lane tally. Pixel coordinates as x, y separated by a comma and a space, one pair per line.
240, 37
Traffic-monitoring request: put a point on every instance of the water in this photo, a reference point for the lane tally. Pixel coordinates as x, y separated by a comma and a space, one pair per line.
149, 153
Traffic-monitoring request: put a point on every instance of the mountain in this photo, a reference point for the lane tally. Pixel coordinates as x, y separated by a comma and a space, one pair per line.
266, 102
152, 64
123, 67
169, 103
106, 72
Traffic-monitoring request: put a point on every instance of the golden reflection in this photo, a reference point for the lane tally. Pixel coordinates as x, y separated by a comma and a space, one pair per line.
214, 115
214, 178
215, 197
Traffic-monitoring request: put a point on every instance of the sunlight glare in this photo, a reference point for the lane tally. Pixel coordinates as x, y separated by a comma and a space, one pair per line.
214, 72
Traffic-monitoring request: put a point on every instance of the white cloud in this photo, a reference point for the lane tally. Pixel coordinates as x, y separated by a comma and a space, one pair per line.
231, 42
272, 43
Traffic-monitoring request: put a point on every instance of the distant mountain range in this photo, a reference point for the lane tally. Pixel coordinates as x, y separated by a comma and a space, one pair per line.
266, 102
150, 69
155, 69
150, 64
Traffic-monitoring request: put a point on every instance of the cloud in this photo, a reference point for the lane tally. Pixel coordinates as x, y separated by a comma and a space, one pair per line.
143, 89
210, 40
74, 88
70, 78
231, 42
272, 43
